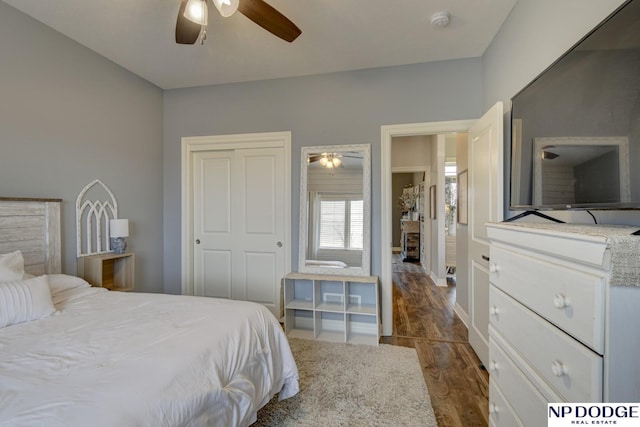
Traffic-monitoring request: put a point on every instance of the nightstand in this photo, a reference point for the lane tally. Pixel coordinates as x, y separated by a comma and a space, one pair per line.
111, 271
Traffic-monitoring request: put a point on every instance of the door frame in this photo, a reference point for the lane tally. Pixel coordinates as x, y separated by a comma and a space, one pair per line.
388, 132
191, 144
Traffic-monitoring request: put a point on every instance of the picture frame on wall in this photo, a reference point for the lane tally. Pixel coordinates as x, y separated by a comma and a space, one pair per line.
432, 202
463, 190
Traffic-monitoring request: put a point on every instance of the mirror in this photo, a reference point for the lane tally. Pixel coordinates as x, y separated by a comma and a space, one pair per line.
335, 210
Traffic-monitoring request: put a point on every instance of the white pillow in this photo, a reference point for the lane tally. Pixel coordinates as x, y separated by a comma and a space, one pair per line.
25, 300
11, 266
62, 282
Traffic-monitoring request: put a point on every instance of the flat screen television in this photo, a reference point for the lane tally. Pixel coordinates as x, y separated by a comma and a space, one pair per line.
575, 129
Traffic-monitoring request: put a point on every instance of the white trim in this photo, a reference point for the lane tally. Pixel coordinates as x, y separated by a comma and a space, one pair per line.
388, 132
227, 142
464, 317
439, 281
409, 169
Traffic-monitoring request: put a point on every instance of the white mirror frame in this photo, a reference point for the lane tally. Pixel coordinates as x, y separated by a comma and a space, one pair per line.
365, 269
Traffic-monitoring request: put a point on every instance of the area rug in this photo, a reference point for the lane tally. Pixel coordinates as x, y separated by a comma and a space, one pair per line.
353, 385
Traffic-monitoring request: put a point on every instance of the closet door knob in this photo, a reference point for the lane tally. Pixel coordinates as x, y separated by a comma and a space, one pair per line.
493, 408
493, 267
493, 366
493, 310
197, 241
279, 244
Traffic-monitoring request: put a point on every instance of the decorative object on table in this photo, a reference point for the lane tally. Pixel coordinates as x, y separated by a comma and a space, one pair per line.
118, 230
407, 201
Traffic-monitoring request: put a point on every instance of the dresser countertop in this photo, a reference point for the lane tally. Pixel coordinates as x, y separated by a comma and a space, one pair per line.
623, 244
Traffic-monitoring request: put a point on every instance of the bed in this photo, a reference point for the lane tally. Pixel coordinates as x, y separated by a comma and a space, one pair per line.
124, 359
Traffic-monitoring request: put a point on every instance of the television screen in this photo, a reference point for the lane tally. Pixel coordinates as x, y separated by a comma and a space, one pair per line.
576, 128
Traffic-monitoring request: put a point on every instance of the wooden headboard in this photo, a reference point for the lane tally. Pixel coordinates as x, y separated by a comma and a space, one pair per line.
33, 226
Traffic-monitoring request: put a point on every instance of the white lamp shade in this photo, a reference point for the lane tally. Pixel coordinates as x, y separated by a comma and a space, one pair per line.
226, 7
119, 228
196, 11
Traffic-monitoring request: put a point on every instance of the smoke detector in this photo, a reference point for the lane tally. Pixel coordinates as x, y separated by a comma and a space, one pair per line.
440, 20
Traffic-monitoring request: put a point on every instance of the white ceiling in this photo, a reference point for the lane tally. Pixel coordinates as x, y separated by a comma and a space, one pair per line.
336, 36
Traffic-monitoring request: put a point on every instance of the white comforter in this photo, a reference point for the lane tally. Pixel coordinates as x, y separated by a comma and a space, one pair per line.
127, 359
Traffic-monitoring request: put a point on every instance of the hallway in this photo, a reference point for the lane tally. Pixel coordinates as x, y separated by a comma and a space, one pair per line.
423, 318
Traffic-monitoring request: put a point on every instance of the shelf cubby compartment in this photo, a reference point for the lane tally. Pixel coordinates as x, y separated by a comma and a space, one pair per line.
299, 323
330, 326
362, 329
329, 295
299, 294
361, 298
332, 308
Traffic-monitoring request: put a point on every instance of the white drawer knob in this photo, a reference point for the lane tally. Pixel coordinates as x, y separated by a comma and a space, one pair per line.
558, 368
493, 310
493, 366
561, 301
493, 409
493, 267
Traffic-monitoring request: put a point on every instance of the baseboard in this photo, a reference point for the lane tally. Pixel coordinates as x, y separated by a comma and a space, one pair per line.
437, 280
464, 317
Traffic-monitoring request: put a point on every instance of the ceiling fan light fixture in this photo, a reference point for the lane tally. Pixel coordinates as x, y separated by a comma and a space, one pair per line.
330, 160
196, 11
226, 7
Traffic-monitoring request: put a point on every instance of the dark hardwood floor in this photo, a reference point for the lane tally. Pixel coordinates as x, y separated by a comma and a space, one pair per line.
423, 318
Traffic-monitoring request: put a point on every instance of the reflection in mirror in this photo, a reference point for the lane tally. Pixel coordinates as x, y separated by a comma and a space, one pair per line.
335, 212
574, 171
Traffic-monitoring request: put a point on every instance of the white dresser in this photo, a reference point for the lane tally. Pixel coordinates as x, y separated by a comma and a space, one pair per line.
564, 318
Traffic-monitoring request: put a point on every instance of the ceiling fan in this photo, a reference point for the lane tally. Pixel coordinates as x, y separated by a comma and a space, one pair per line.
331, 160
193, 17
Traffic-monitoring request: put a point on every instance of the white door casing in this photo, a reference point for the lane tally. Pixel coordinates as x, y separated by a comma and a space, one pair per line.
236, 200
485, 205
388, 132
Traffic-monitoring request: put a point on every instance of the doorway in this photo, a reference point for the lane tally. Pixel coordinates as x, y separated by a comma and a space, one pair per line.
236, 216
388, 134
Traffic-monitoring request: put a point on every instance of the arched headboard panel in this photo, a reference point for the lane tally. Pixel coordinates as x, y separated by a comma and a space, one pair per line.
95, 207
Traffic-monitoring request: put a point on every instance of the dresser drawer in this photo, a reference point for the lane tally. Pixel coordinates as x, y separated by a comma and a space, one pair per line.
573, 370
500, 412
527, 398
571, 299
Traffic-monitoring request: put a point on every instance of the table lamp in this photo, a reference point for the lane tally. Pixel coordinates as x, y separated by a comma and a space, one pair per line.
118, 230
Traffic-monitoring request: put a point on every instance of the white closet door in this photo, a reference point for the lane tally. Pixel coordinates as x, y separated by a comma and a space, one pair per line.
239, 224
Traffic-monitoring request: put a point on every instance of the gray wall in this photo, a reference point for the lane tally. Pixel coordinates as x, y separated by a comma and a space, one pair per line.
339, 108
68, 116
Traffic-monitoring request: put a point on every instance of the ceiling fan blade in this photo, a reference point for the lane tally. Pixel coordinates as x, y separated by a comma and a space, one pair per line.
186, 31
270, 19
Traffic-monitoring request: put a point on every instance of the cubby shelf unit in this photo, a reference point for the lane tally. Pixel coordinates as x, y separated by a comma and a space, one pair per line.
332, 308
